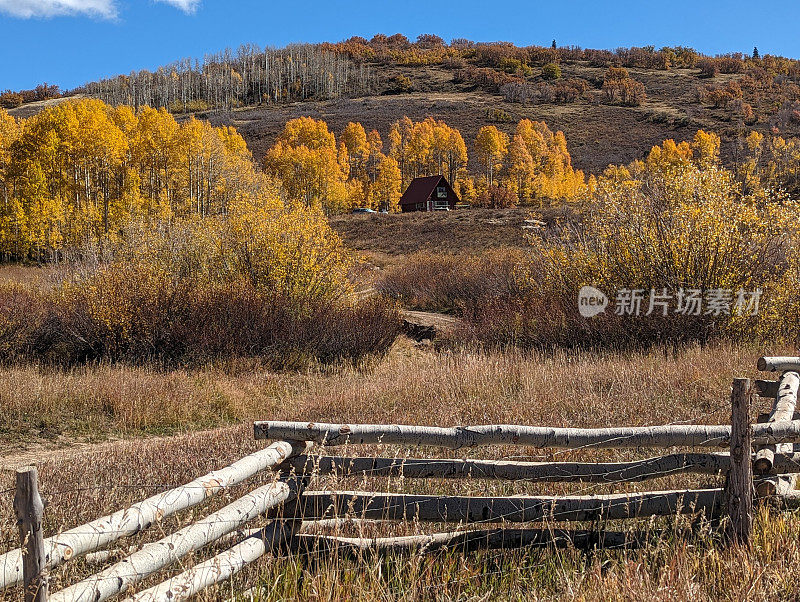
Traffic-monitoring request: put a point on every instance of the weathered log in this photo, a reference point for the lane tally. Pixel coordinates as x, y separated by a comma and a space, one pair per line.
29, 509
775, 485
154, 556
779, 364
790, 499
415, 468
692, 435
740, 477
220, 567
387, 506
104, 555
467, 541
782, 411
104, 531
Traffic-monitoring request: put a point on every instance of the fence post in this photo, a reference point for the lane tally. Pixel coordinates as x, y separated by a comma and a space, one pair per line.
29, 510
740, 477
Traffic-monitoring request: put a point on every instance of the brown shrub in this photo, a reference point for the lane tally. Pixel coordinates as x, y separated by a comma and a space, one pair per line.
450, 282
132, 314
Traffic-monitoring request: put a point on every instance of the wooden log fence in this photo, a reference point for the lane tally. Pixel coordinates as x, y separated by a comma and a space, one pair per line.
298, 517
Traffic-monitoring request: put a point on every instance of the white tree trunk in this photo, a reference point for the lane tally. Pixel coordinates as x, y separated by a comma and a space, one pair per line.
154, 556
103, 531
782, 412
692, 435
220, 567
387, 506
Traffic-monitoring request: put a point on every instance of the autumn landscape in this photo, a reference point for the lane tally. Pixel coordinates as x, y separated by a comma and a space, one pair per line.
191, 248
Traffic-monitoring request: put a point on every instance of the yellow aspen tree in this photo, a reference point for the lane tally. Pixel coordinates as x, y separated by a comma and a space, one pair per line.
355, 141
520, 170
705, 148
491, 146
385, 192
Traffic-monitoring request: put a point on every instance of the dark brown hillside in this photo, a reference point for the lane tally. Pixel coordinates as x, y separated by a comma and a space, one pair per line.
597, 134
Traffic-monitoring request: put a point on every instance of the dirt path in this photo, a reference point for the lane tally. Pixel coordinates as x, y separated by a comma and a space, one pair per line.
429, 318
11, 459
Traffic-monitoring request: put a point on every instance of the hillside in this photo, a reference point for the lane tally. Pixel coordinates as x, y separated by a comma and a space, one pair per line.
376, 83
597, 134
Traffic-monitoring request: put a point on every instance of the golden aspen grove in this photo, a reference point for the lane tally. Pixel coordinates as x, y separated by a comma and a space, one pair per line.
81, 171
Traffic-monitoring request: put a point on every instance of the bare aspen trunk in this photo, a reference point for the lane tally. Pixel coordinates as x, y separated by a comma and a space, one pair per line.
106, 530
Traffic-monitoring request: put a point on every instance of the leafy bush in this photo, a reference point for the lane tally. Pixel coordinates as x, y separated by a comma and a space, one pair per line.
551, 71
401, 84
499, 116
248, 285
451, 282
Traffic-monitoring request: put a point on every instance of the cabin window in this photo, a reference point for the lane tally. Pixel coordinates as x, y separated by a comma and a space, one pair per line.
441, 192
441, 204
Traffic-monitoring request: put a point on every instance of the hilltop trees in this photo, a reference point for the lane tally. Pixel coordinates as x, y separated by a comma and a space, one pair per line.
249, 76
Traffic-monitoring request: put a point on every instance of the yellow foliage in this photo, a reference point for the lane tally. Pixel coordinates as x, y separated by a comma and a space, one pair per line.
83, 170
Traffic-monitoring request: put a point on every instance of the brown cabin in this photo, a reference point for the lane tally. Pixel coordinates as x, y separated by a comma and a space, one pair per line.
431, 193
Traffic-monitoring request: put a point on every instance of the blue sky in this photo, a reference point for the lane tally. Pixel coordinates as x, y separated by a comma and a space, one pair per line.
69, 42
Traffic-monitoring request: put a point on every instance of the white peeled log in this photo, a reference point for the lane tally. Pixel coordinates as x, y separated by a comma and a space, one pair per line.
220, 567
782, 412
154, 556
779, 364
438, 508
689, 435
502, 538
108, 529
104, 555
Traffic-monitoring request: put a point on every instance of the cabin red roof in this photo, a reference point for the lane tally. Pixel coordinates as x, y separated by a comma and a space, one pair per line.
420, 190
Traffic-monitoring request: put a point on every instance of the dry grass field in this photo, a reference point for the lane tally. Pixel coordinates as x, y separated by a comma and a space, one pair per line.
413, 385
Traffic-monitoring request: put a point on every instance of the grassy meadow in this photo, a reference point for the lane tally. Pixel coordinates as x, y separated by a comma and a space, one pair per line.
211, 407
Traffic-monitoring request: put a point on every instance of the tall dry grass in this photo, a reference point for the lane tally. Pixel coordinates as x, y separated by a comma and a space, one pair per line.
683, 562
410, 385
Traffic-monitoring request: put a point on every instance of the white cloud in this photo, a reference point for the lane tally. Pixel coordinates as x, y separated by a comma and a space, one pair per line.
105, 9
187, 6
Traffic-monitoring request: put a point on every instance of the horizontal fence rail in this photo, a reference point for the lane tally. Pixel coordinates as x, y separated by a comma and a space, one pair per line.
589, 472
690, 435
441, 508
154, 556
